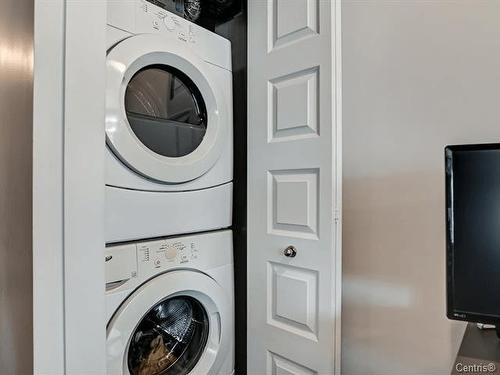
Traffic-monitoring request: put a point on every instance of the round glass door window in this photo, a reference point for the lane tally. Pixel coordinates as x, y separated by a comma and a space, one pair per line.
169, 339
166, 110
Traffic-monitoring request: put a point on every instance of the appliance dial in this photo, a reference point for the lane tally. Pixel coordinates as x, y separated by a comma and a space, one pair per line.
171, 253
169, 23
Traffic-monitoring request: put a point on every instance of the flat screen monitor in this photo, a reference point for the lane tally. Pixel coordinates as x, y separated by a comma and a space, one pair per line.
473, 232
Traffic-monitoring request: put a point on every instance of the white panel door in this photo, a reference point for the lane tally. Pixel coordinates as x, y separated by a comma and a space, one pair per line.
293, 187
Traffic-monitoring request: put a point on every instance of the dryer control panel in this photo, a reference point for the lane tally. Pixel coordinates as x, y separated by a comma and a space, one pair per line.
153, 18
174, 6
143, 17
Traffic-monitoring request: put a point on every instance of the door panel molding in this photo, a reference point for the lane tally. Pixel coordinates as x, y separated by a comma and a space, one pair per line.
294, 187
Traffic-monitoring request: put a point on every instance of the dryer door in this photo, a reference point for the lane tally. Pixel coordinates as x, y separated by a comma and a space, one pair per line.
165, 116
175, 324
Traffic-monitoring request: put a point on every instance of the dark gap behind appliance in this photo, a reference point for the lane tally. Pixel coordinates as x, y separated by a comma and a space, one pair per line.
235, 29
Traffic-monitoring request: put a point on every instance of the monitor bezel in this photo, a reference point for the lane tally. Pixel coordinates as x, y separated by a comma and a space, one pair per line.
451, 311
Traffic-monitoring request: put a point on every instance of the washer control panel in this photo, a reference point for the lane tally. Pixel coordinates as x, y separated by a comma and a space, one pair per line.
129, 264
167, 253
128, 261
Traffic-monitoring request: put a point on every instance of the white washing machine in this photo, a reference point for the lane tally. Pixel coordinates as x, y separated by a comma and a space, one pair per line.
170, 306
169, 158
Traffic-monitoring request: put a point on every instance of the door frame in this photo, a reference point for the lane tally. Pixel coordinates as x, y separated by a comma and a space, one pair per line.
337, 58
68, 187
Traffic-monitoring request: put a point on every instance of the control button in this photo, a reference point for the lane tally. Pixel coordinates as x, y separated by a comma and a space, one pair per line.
182, 36
169, 23
171, 253
157, 263
145, 254
156, 25
192, 34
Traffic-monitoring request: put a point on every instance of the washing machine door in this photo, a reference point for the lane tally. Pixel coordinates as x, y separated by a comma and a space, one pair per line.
165, 116
175, 324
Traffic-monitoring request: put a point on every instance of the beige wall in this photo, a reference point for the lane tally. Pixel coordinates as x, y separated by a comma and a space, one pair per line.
417, 75
16, 105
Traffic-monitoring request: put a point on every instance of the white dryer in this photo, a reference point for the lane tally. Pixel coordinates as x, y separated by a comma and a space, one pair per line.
170, 306
169, 158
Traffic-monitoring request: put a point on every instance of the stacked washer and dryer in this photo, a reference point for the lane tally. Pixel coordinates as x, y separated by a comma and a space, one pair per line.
169, 163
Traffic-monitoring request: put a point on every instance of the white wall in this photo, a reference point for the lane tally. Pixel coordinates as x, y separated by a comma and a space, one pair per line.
16, 106
417, 75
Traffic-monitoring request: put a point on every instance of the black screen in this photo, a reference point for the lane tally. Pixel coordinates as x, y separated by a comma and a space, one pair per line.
473, 196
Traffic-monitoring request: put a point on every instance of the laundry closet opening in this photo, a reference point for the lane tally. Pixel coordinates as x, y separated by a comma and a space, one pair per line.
175, 187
